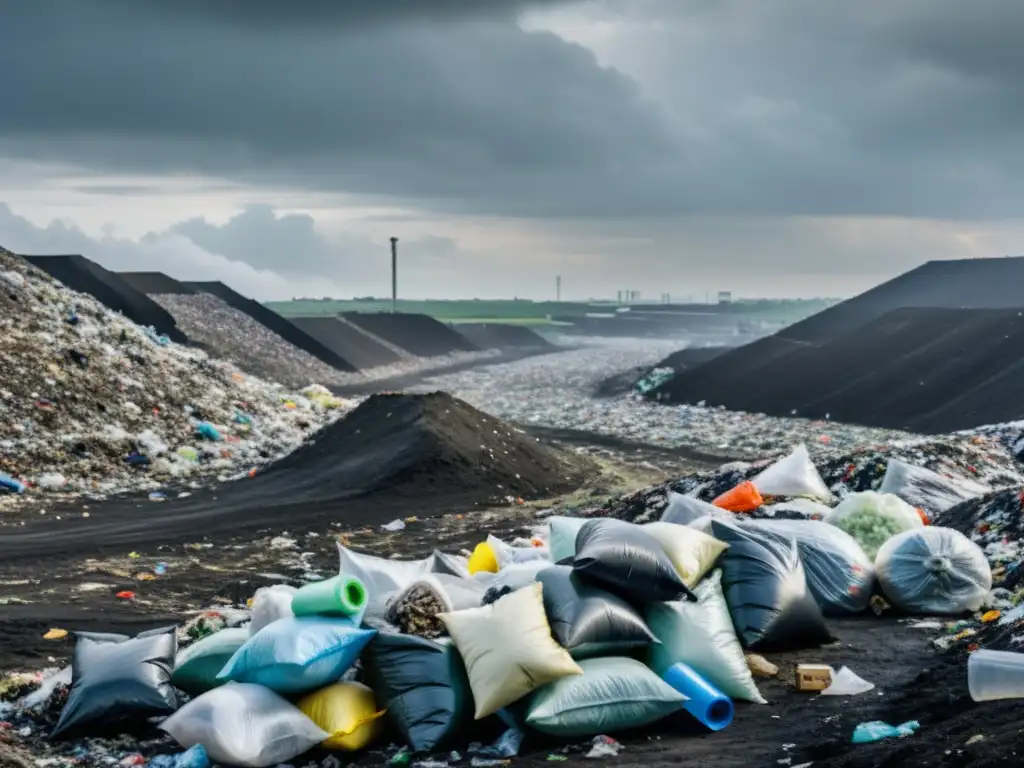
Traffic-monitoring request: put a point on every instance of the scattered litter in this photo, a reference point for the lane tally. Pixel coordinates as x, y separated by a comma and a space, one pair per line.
604, 746
845, 682
876, 730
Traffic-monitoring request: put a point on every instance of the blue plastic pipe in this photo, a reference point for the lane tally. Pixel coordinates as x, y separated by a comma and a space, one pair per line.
705, 702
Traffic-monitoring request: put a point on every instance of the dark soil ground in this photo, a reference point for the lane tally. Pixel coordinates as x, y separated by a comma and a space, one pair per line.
501, 336
357, 348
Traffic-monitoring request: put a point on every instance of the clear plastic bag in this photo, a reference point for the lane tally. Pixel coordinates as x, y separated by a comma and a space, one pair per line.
684, 510
246, 725
793, 475
928, 490
934, 570
839, 574
381, 576
874, 518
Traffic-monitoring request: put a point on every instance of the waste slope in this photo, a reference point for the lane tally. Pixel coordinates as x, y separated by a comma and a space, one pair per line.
502, 336
270, 319
691, 357
348, 343
154, 282
417, 334
80, 274
965, 283
924, 370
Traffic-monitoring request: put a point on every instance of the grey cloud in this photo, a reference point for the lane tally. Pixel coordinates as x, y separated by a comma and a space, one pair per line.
268, 254
905, 108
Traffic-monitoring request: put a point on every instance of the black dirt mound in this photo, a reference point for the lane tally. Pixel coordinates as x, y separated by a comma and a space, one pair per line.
393, 456
967, 283
358, 348
417, 334
924, 370
270, 319
691, 357
151, 283
501, 336
85, 276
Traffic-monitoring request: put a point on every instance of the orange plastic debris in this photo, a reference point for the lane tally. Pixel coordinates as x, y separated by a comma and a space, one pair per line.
126, 595
990, 616
55, 634
923, 515
743, 498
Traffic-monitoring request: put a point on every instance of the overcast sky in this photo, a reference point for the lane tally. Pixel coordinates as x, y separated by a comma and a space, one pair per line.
771, 147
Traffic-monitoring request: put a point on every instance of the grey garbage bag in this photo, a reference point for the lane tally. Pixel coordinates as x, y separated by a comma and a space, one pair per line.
117, 679
587, 620
684, 510
765, 585
422, 686
626, 560
840, 576
933, 570
921, 487
450, 565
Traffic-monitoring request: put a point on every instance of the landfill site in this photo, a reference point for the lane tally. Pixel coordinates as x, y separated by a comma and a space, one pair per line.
233, 538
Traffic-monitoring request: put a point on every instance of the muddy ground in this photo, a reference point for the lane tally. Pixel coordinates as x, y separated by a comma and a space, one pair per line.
66, 587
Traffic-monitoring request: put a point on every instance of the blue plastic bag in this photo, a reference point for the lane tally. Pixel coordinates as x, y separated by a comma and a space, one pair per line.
296, 655
876, 730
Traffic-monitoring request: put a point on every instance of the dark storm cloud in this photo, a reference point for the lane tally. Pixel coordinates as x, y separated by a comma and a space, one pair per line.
909, 107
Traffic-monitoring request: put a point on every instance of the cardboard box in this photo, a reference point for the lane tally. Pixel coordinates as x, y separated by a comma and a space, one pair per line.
813, 677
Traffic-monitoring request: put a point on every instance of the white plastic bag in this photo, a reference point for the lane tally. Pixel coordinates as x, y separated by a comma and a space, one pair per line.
270, 604
812, 510
874, 518
928, 490
381, 577
934, 571
846, 682
793, 475
244, 724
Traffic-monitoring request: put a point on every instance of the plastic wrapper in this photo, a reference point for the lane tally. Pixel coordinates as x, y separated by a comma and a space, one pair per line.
873, 518
197, 667
840, 575
245, 725
807, 508
587, 620
742, 498
299, 654
117, 679
793, 475
684, 510
422, 686
348, 712
508, 649
701, 635
765, 585
692, 552
933, 571
928, 490
624, 559
613, 694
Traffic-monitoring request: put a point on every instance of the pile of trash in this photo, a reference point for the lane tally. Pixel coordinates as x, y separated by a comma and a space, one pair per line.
589, 627
556, 391
92, 403
233, 335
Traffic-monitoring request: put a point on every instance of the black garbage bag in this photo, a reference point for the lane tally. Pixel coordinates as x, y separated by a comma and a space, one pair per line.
627, 561
765, 585
840, 576
118, 680
934, 570
587, 620
423, 686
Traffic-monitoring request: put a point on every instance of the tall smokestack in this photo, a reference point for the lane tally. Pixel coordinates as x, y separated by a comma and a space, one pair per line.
394, 274
558, 287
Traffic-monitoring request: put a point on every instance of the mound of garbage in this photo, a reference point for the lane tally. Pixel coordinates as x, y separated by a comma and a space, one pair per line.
588, 628
90, 402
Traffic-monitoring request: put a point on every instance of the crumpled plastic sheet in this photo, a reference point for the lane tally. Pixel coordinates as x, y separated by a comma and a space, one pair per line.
234, 335
555, 391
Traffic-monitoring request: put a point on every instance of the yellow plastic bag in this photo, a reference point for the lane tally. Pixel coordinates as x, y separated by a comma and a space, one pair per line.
348, 712
483, 559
